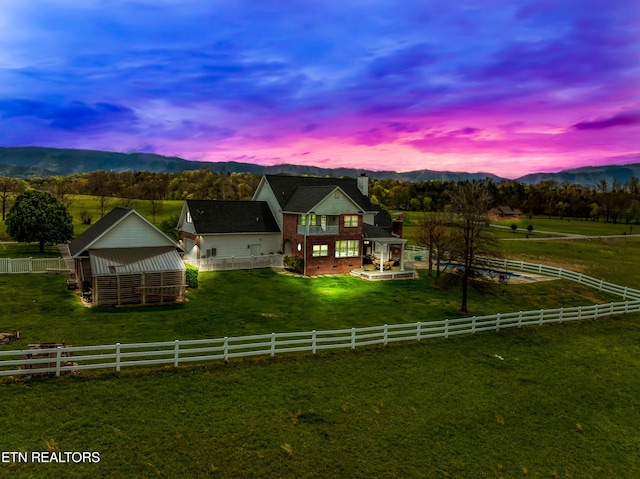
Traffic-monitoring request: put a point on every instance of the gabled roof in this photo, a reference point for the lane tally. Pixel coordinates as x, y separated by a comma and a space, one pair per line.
98, 229
108, 223
305, 198
214, 216
285, 187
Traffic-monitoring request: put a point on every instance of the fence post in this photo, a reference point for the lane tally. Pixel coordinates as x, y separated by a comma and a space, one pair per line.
520, 320
624, 295
419, 330
446, 328
498, 322
176, 353
595, 314
30, 264
600, 287
9, 266
386, 332
561, 311
611, 309
313, 341
117, 357
473, 325
273, 344
58, 359
541, 316
353, 338
579, 313
226, 349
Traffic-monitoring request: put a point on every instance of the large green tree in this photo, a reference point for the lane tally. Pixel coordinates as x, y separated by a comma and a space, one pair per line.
38, 216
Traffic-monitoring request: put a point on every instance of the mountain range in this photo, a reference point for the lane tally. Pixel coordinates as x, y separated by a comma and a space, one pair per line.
37, 161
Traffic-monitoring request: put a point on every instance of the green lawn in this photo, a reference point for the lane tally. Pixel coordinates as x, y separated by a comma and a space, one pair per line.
562, 402
41, 308
547, 401
555, 224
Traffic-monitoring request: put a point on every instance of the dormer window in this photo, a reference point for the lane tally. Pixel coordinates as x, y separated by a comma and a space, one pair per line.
188, 218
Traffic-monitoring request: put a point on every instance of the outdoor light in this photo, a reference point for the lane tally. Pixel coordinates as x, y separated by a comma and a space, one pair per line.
299, 247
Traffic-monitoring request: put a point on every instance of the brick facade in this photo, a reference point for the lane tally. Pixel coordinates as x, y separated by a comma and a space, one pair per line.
329, 264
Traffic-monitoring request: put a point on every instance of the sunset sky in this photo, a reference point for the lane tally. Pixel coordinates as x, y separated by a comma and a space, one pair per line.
502, 86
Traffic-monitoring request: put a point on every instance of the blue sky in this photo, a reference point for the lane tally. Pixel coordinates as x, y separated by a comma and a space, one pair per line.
508, 87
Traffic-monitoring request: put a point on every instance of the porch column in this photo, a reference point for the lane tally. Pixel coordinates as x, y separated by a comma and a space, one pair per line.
381, 257
401, 256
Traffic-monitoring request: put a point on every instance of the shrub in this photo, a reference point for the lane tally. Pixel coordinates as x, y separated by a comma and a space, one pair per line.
294, 264
192, 276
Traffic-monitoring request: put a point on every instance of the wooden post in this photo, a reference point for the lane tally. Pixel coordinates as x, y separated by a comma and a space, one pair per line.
386, 334
176, 353
313, 341
117, 356
419, 330
446, 328
58, 359
520, 320
353, 338
498, 322
273, 344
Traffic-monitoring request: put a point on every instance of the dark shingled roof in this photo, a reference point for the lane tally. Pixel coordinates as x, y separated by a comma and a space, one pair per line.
101, 226
284, 187
306, 197
212, 216
372, 232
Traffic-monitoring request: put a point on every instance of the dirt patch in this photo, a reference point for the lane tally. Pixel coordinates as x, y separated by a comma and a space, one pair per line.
6, 338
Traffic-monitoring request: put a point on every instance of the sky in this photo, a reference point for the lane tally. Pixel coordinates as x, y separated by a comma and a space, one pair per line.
508, 87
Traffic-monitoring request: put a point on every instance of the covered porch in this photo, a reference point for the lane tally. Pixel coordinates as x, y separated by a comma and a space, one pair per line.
383, 256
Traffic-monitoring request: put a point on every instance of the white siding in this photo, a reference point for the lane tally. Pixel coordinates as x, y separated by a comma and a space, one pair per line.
130, 233
191, 252
228, 245
369, 218
337, 203
265, 193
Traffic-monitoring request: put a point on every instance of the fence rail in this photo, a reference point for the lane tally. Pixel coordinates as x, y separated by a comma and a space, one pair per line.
173, 353
237, 262
31, 265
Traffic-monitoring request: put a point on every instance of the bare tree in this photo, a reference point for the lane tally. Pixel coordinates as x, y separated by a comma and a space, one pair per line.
9, 188
470, 203
434, 232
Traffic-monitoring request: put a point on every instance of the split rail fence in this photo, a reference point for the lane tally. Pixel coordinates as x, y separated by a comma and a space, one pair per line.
174, 353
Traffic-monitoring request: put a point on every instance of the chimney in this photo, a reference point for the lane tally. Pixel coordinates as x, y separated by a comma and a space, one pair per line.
363, 184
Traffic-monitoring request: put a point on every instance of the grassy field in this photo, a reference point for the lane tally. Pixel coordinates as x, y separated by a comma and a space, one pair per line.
277, 303
554, 401
562, 402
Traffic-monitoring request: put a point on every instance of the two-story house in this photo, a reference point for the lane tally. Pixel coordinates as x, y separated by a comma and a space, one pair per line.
328, 222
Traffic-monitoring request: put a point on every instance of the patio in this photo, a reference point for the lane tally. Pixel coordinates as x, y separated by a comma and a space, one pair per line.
370, 273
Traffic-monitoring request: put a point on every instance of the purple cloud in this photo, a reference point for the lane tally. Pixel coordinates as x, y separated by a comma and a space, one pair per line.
621, 119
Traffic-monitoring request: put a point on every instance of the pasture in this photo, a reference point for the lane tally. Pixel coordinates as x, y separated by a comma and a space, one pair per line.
548, 401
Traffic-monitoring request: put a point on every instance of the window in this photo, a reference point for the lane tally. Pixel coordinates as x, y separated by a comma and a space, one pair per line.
188, 219
350, 221
320, 250
311, 218
347, 248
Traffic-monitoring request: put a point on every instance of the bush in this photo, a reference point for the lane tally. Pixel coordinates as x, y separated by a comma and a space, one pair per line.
192, 276
293, 264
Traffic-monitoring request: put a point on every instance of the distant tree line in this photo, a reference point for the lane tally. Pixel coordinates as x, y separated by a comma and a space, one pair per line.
614, 203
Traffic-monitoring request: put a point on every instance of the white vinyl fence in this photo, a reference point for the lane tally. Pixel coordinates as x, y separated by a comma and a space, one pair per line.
237, 262
31, 265
174, 353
